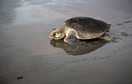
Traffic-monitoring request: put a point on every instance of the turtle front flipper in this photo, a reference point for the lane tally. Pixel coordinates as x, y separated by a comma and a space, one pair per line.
71, 38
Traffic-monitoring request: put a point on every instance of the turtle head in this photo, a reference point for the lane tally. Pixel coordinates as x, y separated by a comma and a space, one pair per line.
57, 34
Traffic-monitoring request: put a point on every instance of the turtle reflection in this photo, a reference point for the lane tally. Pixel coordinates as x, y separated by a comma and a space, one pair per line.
77, 49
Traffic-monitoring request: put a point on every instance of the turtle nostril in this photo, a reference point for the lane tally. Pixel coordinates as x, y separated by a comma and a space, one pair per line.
51, 36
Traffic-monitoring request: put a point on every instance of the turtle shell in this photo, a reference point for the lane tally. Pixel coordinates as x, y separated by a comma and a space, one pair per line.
86, 27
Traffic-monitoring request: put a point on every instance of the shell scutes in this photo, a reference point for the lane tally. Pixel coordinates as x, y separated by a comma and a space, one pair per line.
87, 28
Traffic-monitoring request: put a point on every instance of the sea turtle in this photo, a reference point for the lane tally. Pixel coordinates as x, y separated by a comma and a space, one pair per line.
77, 29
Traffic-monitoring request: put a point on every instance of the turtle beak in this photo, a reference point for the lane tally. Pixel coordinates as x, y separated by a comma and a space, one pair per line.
51, 36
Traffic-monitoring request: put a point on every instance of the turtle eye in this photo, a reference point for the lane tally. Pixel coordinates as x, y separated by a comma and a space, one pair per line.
57, 33
54, 34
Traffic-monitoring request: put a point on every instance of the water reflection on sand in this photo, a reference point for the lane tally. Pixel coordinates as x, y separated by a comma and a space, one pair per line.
76, 49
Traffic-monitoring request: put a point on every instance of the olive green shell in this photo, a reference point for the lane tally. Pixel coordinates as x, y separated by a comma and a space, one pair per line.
86, 27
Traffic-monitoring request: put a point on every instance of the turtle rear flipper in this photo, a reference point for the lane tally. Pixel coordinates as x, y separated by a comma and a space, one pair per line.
109, 26
106, 37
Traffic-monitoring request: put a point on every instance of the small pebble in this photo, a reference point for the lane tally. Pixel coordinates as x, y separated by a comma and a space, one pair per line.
19, 77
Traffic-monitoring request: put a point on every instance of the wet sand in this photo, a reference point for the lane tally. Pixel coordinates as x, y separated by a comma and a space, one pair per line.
29, 56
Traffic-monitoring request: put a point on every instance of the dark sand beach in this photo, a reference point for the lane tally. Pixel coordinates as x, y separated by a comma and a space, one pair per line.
29, 56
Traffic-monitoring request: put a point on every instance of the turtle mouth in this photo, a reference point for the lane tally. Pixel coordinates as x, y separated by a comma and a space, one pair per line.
59, 38
51, 36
